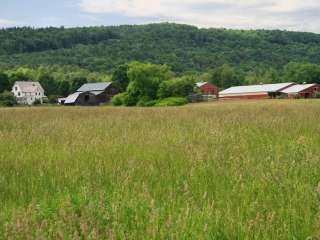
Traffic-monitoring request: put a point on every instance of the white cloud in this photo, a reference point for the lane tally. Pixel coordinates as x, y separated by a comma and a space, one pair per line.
7, 23
284, 14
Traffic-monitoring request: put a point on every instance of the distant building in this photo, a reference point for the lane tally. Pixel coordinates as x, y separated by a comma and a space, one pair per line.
92, 94
208, 89
262, 91
302, 91
61, 101
28, 92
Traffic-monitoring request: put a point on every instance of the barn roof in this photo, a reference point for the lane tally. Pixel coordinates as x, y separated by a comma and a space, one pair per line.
72, 98
298, 88
96, 92
256, 88
200, 84
88, 87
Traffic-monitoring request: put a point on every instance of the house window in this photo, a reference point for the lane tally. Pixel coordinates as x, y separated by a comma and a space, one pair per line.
19, 94
16, 88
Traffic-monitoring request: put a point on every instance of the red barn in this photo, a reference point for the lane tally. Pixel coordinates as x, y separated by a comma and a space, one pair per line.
302, 91
208, 89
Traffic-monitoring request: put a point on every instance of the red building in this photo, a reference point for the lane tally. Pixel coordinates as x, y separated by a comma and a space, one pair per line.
208, 89
302, 91
261, 91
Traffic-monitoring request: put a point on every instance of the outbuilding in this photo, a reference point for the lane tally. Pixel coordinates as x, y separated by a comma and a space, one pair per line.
302, 91
208, 89
261, 91
92, 94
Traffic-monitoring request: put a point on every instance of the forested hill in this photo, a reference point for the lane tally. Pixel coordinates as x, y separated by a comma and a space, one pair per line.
184, 48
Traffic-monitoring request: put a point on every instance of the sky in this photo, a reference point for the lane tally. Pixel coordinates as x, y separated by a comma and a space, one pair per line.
296, 15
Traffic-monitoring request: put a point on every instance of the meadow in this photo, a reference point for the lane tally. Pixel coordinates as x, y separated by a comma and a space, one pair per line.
225, 170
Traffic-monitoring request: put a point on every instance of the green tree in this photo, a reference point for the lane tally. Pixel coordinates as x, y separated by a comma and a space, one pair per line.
49, 85
7, 99
252, 78
22, 74
120, 77
301, 72
144, 81
77, 82
4, 82
226, 76
178, 87
271, 75
64, 88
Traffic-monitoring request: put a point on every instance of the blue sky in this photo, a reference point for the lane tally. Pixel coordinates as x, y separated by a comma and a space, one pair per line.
294, 15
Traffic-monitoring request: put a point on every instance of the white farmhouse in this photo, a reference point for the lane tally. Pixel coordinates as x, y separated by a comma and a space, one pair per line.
28, 92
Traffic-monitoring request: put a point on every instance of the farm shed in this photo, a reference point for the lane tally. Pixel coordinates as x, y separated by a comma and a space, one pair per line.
302, 91
262, 91
81, 98
92, 94
208, 89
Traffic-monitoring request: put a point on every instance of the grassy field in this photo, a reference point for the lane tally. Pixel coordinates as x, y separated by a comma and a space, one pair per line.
227, 170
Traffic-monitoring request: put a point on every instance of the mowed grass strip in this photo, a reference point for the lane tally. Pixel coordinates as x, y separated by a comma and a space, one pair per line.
227, 170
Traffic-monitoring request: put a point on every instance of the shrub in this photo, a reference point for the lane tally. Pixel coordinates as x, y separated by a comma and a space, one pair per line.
130, 100
53, 99
318, 95
173, 101
118, 99
146, 102
37, 102
7, 99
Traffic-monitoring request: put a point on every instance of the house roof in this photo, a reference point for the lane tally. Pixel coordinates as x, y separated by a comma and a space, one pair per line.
298, 88
256, 88
72, 98
29, 87
200, 84
88, 87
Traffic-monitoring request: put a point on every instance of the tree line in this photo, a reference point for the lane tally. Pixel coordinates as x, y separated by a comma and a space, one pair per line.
143, 83
184, 48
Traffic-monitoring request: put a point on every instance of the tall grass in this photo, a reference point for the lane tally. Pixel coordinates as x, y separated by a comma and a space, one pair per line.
228, 170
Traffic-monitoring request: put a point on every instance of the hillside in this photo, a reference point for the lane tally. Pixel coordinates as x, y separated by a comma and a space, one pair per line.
184, 48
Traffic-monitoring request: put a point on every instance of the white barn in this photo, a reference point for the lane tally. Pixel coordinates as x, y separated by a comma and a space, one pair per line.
28, 92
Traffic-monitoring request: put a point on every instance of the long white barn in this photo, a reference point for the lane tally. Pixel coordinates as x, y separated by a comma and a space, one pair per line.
262, 91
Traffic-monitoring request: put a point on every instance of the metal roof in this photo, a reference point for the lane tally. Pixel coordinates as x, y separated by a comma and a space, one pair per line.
298, 88
200, 84
72, 98
88, 87
96, 92
256, 88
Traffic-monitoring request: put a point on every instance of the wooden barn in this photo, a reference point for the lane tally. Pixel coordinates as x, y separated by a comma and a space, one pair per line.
92, 94
208, 89
302, 91
262, 91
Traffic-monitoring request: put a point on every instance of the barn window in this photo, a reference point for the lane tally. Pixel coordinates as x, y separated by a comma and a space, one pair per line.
16, 88
86, 98
19, 94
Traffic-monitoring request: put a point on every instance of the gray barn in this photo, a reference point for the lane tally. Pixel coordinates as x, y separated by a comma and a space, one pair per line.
92, 94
